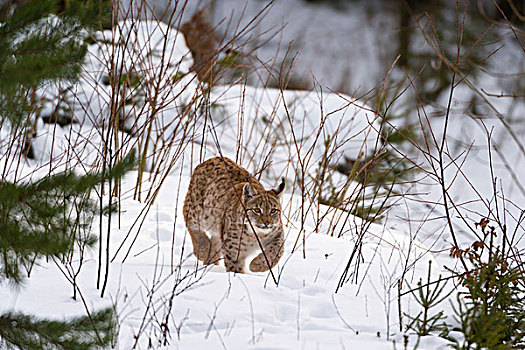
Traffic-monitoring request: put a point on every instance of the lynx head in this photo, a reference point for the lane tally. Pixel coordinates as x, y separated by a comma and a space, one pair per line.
263, 208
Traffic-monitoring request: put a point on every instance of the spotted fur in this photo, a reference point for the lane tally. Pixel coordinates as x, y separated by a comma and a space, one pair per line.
226, 209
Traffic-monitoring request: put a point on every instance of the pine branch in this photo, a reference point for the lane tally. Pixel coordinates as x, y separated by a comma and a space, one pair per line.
19, 331
39, 43
37, 218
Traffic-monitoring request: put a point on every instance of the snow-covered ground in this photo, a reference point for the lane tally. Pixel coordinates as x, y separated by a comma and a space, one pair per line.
350, 46
347, 47
160, 291
160, 281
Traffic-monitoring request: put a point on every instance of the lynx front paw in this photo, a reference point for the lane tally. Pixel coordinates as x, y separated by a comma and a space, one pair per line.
258, 265
235, 268
232, 265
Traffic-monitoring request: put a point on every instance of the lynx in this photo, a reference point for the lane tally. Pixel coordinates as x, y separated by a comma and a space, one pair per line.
240, 216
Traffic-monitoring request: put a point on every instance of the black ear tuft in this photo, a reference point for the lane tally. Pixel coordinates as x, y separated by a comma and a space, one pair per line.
248, 192
279, 190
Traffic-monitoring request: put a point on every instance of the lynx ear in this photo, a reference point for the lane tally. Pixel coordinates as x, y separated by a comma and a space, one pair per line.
279, 190
248, 192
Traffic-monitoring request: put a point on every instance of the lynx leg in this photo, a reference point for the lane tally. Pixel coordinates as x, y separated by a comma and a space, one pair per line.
274, 250
234, 259
216, 250
203, 247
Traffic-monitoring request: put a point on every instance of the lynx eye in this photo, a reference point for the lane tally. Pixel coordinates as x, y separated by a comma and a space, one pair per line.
274, 211
256, 211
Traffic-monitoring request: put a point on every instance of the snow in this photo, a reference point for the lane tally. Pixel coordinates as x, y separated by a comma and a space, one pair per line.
289, 117
154, 276
341, 46
240, 311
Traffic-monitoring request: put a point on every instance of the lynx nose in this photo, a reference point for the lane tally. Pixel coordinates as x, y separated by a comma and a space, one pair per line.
264, 225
